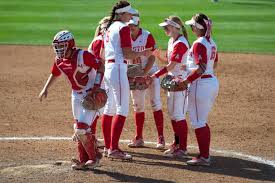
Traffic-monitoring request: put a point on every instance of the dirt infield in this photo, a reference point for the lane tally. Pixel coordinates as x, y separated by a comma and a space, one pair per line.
242, 120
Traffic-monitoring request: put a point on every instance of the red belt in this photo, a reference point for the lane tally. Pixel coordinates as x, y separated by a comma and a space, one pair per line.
206, 76
113, 61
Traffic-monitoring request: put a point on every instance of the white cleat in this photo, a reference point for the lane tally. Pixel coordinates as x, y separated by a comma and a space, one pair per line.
136, 143
161, 143
119, 154
178, 153
200, 161
77, 165
105, 152
172, 148
91, 164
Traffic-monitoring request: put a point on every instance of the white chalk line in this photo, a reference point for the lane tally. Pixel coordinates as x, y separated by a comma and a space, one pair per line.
219, 151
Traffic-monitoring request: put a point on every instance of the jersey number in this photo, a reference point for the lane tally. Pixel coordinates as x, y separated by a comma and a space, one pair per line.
107, 36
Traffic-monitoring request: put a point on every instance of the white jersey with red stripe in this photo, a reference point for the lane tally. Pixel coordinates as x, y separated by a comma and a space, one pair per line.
177, 55
211, 55
112, 42
139, 45
78, 69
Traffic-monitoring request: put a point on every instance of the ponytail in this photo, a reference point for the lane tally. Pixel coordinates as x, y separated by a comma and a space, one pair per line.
97, 31
184, 33
112, 17
120, 4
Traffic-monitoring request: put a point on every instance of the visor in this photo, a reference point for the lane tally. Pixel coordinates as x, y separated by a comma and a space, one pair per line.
135, 21
194, 23
169, 22
127, 9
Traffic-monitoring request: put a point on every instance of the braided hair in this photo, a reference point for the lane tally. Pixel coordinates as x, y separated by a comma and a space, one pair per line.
118, 5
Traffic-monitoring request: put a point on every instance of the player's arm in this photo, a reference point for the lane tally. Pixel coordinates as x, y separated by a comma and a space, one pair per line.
161, 55
126, 45
179, 50
48, 84
200, 56
97, 64
54, 75
150, 63
150, 44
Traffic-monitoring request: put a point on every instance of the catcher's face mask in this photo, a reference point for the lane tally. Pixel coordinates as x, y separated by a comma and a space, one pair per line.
60, 49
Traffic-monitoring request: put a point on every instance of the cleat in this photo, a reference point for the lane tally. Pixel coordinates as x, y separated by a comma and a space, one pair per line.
200, 161
77, 165
178, 153
91, 164
173, 147
119, 154
136, 143
161, 143
105, 152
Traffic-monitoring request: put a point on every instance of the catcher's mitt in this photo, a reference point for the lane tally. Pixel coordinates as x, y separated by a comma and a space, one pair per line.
134, 70
140, 82
170, 83
95, 99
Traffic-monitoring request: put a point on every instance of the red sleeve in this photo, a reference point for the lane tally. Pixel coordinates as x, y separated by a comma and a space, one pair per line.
125, 37
217, 57
55, 70
90, 60
96, 47
200, 53
151, 43
179, 50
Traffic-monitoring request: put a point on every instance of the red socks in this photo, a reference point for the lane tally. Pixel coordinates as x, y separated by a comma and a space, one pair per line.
203, 138
93, 126
158, 116
117, 127
106, 129
139, 119
182, 130
83, 156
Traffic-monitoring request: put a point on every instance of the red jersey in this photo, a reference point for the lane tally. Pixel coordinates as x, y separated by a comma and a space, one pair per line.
77, 69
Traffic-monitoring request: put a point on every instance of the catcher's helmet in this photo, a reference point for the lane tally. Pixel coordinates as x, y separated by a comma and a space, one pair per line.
62, 42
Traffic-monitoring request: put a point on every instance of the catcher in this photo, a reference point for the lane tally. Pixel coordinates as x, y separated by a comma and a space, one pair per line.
140, 83
175, 58
87, 97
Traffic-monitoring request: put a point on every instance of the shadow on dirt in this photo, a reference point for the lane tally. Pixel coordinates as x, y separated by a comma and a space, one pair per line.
229, 166
120, 177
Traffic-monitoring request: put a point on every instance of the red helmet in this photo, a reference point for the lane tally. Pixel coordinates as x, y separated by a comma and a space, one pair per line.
62, 42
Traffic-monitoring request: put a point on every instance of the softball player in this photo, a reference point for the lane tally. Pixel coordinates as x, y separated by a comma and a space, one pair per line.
117, 48
178, 46
142, 39
202, 59
76, 65
95, 48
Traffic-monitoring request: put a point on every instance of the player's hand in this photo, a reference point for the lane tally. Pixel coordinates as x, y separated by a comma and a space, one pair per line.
182, 83
157, 52
43, 93
147, 52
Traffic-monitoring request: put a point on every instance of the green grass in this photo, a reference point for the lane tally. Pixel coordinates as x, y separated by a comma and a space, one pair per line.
239, 25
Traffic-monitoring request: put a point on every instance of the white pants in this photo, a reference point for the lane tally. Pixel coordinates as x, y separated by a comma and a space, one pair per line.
80, 114
177, 104
118, 90
138, 97
203, 93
